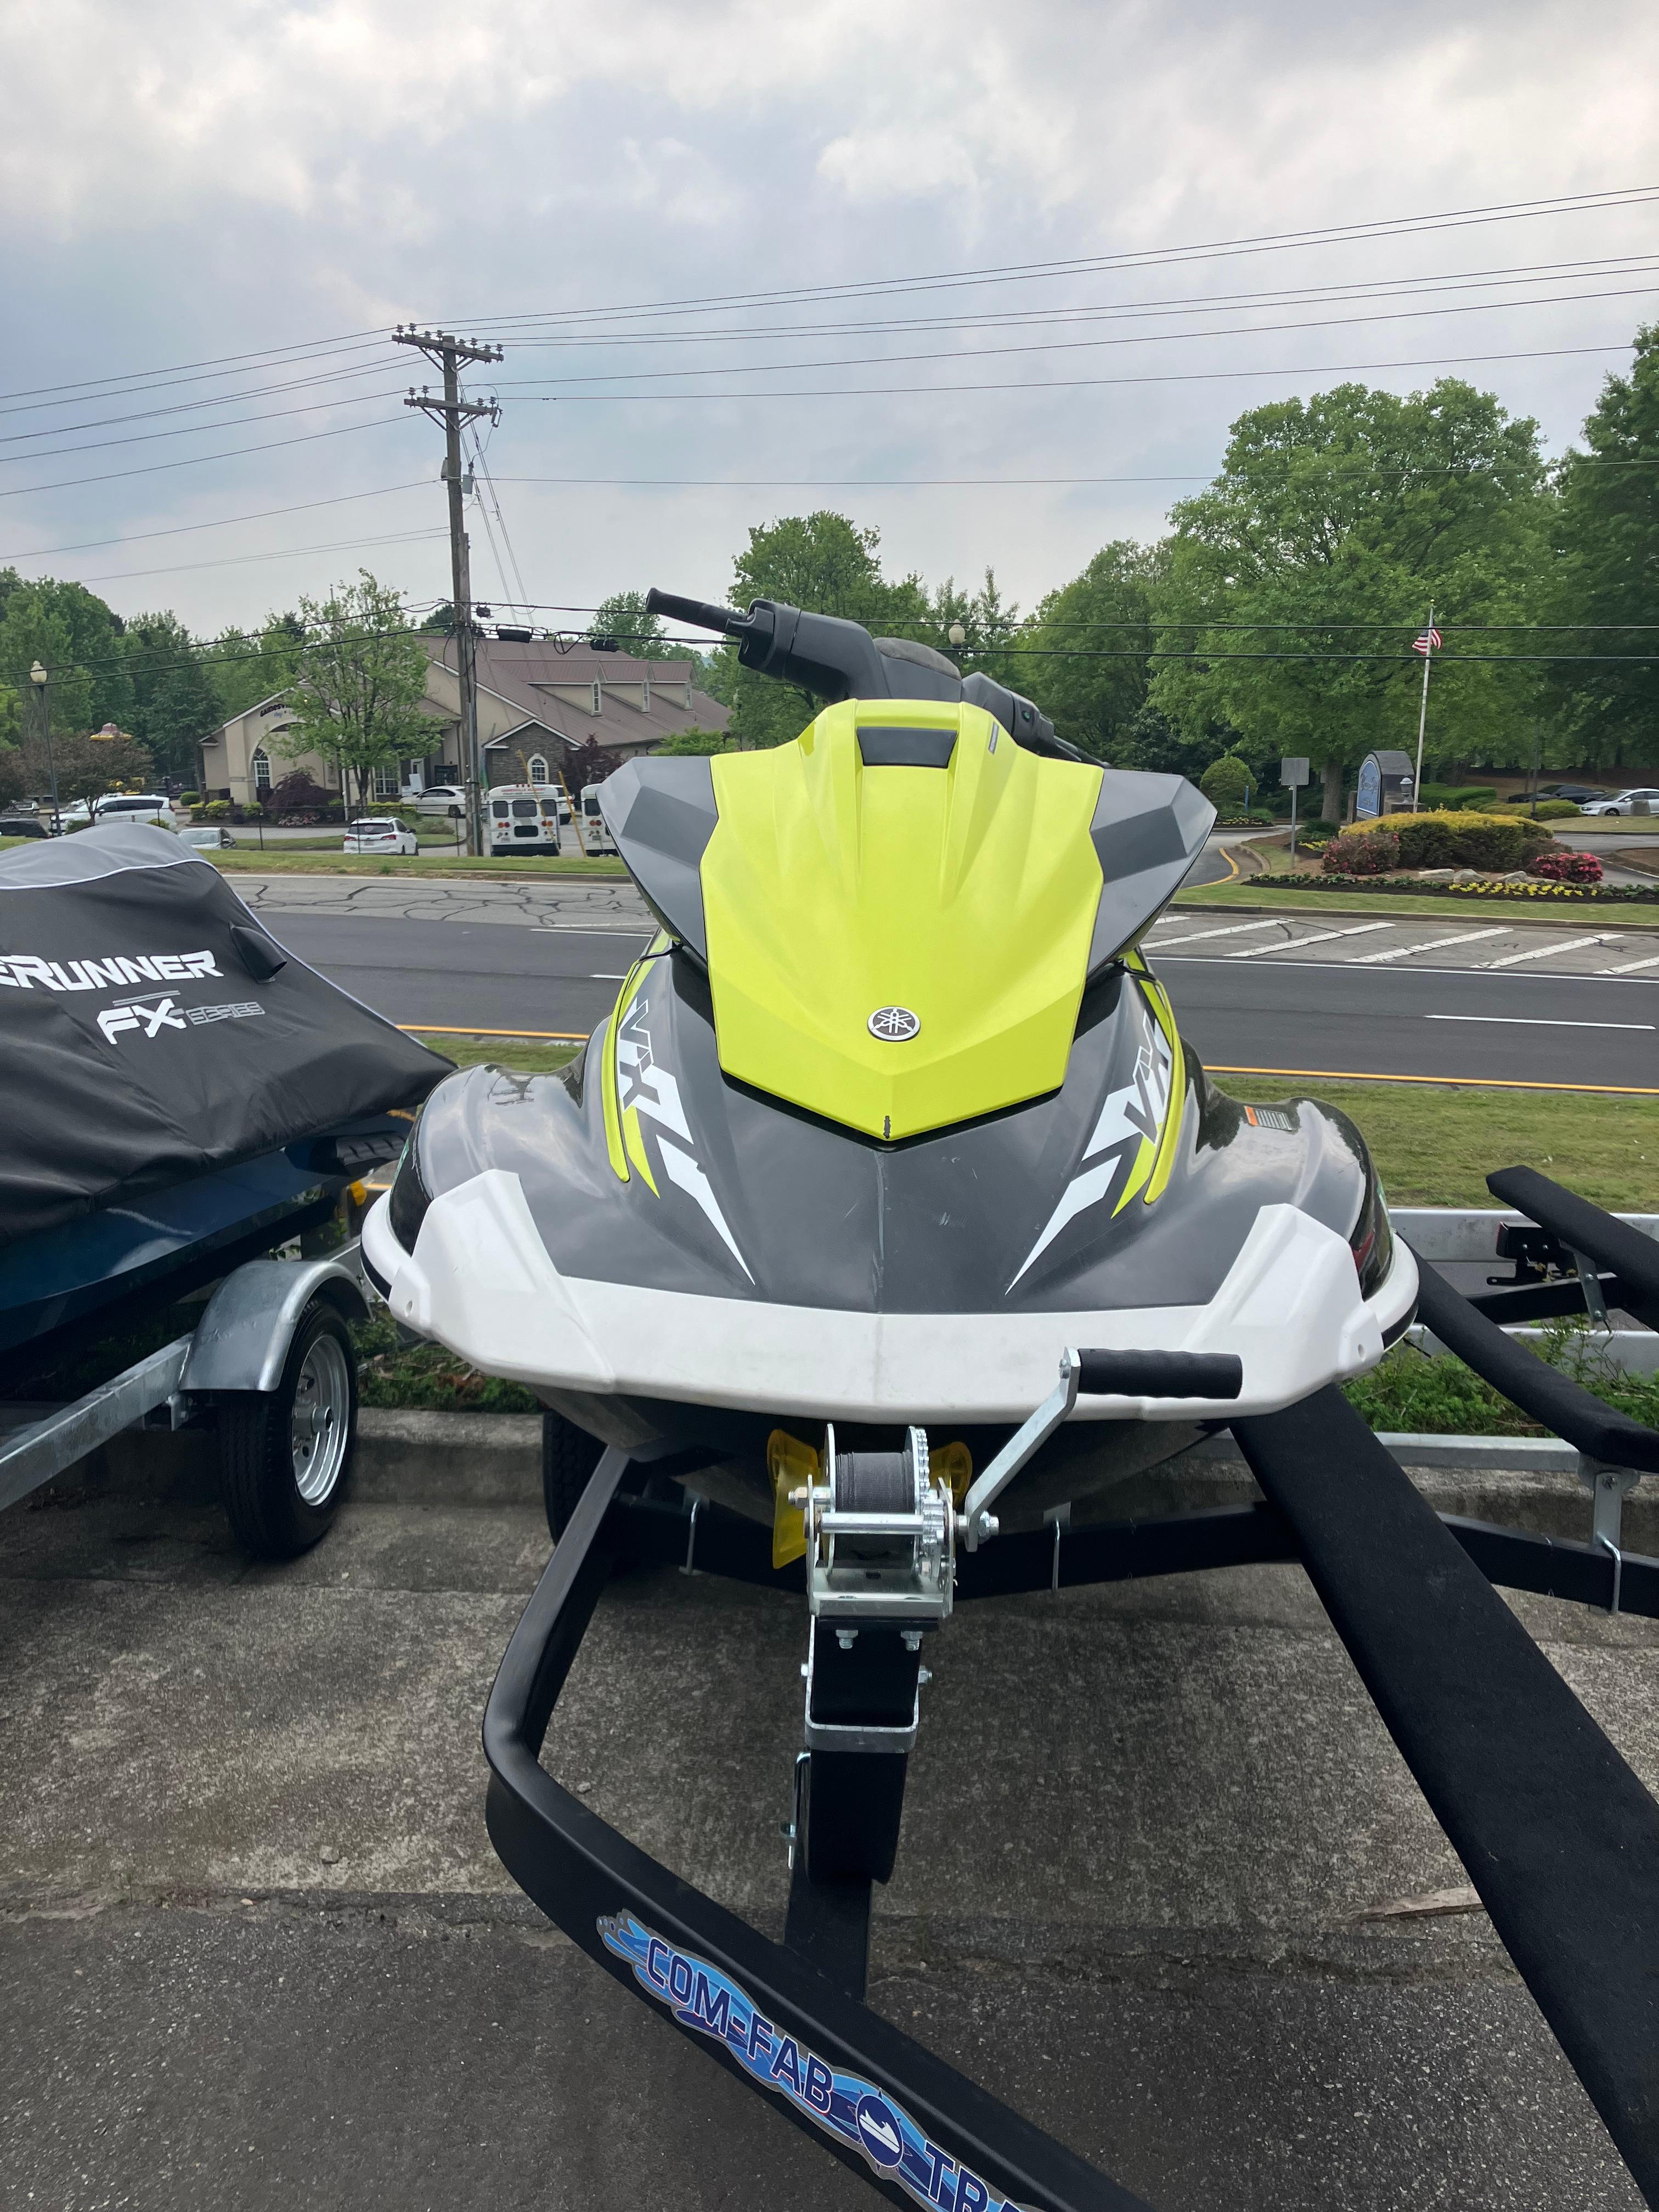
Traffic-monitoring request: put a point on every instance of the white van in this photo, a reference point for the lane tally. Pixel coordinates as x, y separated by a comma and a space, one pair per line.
594, 832
522, 819
137, 806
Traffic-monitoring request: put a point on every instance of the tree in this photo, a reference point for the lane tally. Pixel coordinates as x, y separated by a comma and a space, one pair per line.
697, 741
1085, 662
1606, 571
246, 668
77, 638
174, 705
1356, 508
87, 767
622, 618
829, 565
359, 680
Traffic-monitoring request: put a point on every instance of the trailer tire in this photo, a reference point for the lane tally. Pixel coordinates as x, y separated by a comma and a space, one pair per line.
285, 1455
569, 1456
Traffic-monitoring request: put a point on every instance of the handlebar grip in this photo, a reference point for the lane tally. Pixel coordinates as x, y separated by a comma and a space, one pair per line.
1161, 1374
698, 613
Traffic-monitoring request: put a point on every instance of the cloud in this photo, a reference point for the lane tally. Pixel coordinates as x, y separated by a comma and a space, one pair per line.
189, 179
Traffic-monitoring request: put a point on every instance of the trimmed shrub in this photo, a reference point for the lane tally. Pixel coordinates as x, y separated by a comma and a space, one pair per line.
1498, 841
1361, 852
217, 810
1565, 867
190, 799
1455, 798
1226, 782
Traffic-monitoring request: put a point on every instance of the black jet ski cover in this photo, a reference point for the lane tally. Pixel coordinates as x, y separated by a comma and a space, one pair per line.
150, 1029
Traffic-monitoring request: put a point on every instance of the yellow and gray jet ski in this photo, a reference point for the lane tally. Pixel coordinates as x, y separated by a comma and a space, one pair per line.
891, 1111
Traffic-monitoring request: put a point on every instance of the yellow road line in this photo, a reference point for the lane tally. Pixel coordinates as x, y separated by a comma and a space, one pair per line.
1453, 1082
548, 1037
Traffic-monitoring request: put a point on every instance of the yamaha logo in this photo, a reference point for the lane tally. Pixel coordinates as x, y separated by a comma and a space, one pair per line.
894, 1024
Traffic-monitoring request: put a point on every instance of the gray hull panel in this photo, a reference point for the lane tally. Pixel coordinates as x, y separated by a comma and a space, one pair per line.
1019, 1213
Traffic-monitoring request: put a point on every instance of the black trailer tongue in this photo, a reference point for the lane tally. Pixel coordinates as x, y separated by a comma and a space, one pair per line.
1559, 1836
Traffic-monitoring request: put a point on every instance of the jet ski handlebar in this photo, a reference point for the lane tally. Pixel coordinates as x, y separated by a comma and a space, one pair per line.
836, 659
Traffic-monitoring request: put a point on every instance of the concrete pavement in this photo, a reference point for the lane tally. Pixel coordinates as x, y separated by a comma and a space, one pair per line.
257, 1949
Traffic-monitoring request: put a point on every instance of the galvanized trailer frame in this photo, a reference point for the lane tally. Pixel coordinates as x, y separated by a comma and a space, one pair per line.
1559, 1838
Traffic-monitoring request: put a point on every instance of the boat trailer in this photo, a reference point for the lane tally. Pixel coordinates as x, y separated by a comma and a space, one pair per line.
1559, 1838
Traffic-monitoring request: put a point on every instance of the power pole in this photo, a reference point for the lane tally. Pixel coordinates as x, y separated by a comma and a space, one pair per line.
447, 353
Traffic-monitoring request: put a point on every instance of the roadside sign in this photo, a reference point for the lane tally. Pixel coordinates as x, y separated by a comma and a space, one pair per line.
1291, 772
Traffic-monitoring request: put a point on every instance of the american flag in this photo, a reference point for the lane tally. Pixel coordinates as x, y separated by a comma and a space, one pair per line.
1426, 641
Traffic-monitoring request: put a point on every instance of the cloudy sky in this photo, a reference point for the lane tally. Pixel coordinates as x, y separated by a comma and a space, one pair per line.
216, 209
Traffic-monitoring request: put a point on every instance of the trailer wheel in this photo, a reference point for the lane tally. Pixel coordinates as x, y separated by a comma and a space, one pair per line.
284, 1453
569, 1456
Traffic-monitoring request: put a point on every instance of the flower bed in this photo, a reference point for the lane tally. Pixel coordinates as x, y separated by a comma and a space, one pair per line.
1487, 888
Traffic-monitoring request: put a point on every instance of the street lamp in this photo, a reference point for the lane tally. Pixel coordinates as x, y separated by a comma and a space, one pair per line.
39, 678
957, 635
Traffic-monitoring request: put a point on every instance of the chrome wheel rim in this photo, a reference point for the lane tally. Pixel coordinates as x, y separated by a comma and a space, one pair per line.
319, 1422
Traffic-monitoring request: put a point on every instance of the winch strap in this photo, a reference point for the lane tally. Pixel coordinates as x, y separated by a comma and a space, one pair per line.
1559, 1838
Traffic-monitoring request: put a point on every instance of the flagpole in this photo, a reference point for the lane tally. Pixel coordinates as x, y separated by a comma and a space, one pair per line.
1423, 711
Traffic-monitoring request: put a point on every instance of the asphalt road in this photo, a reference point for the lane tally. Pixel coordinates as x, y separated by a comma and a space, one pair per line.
1517, 1027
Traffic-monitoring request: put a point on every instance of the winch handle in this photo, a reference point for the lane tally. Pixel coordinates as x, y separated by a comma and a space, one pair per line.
1160, 1374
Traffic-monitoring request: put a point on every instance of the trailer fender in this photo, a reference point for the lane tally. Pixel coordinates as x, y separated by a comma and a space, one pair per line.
241, 1342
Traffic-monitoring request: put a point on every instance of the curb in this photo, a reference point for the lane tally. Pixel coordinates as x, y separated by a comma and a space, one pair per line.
494, 1460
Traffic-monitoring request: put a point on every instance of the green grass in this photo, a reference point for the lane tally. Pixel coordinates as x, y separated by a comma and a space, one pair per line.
1639, 914
1435, 1145
1420, 1396
424, 1377
527, 1057
333, 862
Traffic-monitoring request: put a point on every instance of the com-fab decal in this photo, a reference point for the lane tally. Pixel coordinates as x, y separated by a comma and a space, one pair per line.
854, 2111
1120, 1154
647, 1089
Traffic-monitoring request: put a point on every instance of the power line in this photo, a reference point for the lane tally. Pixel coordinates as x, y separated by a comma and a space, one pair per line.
195, 460
1095, 265
221, 522
763, 484
375, 368
201, 429
1073, 382
282, 553
1352, 291
303, 349
1378, 229
1079, 346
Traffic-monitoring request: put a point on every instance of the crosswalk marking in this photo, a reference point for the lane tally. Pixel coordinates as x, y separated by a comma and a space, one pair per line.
1233, 929
1296, 943
1630, 967
1545, 952
1434, 945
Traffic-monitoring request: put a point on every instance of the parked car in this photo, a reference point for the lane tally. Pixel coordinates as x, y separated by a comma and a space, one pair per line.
1640, 801
522, 819
210, 836
443, 799
24, 825
1575, 793
138, 806
379, 835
